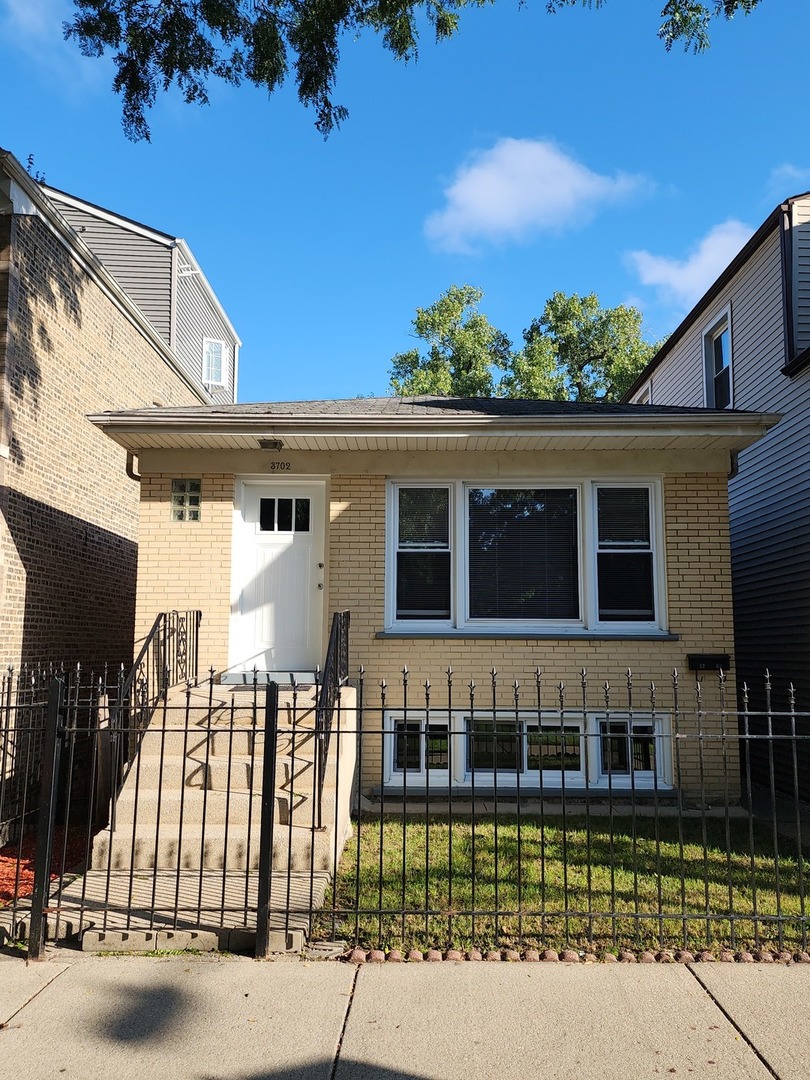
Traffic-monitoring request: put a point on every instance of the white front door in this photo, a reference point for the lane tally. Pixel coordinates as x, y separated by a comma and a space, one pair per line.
278, 578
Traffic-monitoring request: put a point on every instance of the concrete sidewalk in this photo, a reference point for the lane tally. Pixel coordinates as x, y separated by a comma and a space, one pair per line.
231, 1018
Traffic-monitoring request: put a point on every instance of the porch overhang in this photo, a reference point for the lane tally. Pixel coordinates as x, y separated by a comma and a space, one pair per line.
631, 428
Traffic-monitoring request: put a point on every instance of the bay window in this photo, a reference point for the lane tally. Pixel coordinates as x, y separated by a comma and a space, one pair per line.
574, 556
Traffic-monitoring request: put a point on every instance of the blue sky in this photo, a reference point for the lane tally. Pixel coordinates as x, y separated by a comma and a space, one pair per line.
529, 154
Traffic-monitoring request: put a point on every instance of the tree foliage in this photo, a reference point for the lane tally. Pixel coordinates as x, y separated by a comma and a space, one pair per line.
576, 350
464, 349
156, 44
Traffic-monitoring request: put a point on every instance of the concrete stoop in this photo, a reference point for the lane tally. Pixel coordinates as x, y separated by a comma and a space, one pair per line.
191, 799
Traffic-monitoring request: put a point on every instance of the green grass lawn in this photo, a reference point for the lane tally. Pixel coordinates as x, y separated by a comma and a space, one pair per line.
425, 883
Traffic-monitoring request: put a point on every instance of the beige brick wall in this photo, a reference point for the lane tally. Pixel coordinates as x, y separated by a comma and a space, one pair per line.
69, 513
188, 565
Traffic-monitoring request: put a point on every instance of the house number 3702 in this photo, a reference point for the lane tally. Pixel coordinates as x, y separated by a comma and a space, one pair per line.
280, 466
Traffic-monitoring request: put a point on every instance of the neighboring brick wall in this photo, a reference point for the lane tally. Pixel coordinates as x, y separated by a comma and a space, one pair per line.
70, 513
188, 565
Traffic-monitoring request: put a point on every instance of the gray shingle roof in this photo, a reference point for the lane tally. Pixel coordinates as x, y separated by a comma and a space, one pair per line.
424, 406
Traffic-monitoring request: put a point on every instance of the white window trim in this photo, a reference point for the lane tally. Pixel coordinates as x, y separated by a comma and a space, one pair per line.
588, 621
590, 777
223, 381
713, 330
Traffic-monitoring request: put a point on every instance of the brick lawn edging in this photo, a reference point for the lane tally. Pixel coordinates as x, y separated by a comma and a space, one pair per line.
572, 956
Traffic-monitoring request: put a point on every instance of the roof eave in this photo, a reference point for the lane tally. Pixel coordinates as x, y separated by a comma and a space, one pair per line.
732, 425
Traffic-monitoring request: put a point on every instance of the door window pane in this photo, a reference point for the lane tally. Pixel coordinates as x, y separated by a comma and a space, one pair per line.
302, 515
285, 515
267, 515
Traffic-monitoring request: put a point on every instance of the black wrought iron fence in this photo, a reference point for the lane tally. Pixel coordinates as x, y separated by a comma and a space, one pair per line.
446, 812
501, 812
23, 735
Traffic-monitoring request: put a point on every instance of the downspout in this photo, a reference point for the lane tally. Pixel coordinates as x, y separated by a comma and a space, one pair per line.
131, 467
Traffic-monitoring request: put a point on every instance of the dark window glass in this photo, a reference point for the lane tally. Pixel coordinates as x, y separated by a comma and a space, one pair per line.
436, 747
302, 515
523, 558
423, 553
621, 750
720, 370
615, 749
285, 515
624, 517
494, 746
267, 515
406, 747
424, 517
423, 585
626, 591
722, 389
552, 750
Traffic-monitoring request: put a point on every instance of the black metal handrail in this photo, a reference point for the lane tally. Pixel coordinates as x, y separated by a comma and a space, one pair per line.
335, 673
168, 657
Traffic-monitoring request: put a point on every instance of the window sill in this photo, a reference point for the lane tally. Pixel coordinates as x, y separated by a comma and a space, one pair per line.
532, 635
392, 794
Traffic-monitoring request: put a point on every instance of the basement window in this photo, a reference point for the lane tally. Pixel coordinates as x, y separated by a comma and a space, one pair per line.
186, 500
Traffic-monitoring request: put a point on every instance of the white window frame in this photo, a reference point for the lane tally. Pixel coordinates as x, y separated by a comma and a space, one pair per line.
710, 335
644, 396
638, 780
206, 371
589, 777
588, 620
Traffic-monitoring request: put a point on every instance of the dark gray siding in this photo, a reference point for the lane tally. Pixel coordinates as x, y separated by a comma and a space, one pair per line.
770, 496
141, 266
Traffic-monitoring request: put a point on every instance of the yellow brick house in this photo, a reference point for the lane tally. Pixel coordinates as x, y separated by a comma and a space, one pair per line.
462, 534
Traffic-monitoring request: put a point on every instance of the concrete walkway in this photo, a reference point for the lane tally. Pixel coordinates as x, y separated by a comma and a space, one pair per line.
82, 1017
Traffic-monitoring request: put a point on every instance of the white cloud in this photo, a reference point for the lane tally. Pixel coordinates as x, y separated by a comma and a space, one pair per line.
520, 187
786, 180
35, 26
681, 282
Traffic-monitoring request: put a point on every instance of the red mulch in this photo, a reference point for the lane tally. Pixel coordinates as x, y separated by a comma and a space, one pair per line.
24, 885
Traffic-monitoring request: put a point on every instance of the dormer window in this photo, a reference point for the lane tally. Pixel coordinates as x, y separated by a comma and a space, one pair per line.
213, 362
717, 362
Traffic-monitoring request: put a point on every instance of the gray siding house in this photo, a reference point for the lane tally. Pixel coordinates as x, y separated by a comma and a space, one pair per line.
746, 345
164, 279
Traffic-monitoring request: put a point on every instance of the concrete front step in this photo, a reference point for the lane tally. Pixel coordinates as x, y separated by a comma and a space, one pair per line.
242, 740
173, 772
293, 848
217, 807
